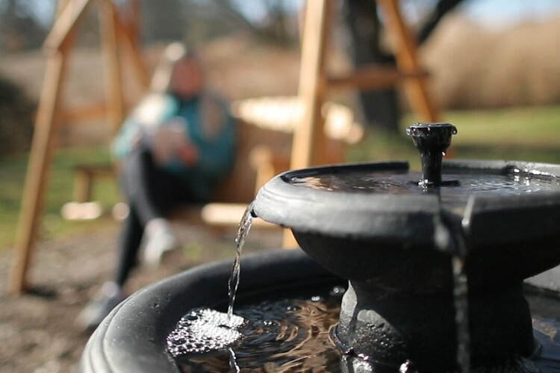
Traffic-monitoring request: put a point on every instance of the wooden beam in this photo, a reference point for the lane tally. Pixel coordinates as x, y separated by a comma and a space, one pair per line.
84, 113
128, 37
229, 215
64, 24
407, 60
266, 164
312, 79
372, 77
40, 160
84, 176
135, 20
309, 136
111, 63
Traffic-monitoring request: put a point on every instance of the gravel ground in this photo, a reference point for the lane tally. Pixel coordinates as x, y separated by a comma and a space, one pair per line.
37, 330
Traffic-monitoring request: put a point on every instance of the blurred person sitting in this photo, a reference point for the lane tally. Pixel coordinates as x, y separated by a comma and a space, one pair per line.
173, 149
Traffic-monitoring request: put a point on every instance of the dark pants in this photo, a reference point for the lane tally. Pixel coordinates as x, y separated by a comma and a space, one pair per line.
151, 193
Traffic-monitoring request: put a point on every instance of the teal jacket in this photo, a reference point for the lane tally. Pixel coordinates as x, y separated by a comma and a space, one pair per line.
216, 152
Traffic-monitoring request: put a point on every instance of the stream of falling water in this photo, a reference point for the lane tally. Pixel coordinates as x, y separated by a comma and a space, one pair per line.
242, 232
233, 366
461, 289
461, 301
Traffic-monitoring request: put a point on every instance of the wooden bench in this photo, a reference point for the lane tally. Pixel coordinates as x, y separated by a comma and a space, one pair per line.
264, 138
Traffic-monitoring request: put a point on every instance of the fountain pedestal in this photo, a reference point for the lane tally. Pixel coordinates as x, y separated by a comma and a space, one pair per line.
391, 327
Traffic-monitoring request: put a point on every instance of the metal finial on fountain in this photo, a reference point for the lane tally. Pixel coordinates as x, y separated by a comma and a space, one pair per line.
431, 140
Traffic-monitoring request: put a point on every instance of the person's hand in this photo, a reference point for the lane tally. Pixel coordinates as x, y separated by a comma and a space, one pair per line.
171, 141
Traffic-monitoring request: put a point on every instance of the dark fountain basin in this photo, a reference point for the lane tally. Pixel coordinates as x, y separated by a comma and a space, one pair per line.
132, 338
407, 249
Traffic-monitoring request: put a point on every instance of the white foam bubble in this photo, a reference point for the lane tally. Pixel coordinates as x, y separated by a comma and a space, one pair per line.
202, 331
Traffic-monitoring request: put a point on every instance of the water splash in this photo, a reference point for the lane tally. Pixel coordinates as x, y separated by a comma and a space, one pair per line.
242, 232
204, 330
288, 334
408, 367
294, 334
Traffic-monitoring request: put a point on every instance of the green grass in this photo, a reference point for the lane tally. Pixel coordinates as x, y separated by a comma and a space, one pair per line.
60, 191
531, 134
524, 127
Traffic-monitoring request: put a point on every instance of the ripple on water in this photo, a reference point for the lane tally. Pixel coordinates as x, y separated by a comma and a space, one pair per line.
292, 335
285, 335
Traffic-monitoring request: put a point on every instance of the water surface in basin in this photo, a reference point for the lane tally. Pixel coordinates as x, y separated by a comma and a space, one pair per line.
406, 183
288, 335
292, 334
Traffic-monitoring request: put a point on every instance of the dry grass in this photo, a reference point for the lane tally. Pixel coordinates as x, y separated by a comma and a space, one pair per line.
478, 68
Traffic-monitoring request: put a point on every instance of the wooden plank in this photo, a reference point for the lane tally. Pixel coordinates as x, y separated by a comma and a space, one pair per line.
372, 77
135, 19
83, 182
105, 170
267, 164
309, 136
128, 37
85, 175
64, 24
407, 60
111, 64
229, 214
83, 114
42, 149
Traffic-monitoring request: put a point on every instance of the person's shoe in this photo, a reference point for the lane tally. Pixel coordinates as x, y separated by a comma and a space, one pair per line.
159, 241
108, 297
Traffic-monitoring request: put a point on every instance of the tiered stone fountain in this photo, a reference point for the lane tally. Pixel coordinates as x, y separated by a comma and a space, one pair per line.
394, 234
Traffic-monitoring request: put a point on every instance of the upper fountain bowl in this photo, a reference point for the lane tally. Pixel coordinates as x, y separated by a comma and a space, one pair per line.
360, 221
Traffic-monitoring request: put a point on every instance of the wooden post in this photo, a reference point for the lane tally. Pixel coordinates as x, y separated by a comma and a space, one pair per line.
82, 185
58, 46
111, 62
128, 33
311, 82
64, 23
407, 61
39, 163
309, 136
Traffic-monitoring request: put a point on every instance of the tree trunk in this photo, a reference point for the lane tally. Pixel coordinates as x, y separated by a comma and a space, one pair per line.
381, 107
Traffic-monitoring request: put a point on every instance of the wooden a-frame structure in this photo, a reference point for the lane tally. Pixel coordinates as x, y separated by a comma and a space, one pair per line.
120, 35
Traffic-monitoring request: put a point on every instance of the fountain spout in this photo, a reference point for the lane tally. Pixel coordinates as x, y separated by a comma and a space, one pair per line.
431, 140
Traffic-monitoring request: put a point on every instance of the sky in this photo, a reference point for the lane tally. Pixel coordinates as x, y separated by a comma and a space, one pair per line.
503, 13
491, 13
